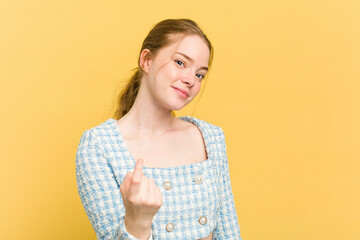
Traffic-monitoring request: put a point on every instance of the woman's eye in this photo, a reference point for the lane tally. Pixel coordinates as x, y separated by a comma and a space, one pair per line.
180, 63
199, 75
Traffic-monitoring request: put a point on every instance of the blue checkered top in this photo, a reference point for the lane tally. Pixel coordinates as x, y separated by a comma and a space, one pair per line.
199, 201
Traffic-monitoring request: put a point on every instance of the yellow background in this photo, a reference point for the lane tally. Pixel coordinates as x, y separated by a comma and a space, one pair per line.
284, 87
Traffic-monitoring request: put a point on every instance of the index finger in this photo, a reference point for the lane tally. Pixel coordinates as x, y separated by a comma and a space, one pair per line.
136, 178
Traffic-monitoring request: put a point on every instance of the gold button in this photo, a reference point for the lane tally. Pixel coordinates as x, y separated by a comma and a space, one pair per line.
167, 185
170, 227
203, 220
198, 179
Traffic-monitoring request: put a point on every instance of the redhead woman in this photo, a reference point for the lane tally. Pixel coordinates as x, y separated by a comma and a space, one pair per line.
146, 174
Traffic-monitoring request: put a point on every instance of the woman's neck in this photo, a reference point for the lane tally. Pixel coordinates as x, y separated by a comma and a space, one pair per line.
148, 119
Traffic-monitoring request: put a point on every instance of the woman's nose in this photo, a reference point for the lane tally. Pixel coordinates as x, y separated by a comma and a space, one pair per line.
188, 79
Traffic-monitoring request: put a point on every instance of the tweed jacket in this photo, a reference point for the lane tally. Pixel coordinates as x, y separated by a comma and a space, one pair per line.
197, 198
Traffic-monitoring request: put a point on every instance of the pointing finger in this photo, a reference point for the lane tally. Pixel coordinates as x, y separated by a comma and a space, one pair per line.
136, 178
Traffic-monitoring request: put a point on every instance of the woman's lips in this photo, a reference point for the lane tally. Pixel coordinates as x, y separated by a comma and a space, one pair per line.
181, 92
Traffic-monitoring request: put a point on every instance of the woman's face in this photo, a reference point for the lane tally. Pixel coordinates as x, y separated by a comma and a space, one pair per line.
176, 72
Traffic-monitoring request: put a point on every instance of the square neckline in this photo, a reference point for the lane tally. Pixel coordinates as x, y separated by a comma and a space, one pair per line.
190, 119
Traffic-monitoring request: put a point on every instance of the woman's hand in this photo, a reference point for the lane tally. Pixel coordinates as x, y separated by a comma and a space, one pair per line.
141, 197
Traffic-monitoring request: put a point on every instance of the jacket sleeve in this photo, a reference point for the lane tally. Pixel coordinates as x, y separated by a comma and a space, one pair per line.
227, 226
99, 191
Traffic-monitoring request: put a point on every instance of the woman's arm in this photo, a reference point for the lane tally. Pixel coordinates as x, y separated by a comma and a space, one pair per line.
99, 191
227, 226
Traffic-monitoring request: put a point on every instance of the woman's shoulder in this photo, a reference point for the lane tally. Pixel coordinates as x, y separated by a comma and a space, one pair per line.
104, 128
103, 132
205, 126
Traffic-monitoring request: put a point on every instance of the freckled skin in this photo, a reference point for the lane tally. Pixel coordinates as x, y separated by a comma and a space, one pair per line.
173, 69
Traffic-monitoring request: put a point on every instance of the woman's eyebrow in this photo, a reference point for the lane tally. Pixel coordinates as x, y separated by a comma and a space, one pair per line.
190, 59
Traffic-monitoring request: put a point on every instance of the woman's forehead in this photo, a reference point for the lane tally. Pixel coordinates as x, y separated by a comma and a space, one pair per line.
192, 46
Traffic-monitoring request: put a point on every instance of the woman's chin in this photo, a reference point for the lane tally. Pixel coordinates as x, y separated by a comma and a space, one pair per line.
176, 104
177, 108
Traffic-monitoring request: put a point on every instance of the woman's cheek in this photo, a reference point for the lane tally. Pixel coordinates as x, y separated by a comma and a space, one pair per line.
198, 87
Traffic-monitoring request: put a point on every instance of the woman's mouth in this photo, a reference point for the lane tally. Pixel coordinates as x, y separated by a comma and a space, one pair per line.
182, 93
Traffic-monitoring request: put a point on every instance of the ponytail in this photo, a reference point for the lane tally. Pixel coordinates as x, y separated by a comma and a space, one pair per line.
128, 95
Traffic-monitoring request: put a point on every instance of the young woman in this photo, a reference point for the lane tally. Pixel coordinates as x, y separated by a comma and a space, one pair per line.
149, 174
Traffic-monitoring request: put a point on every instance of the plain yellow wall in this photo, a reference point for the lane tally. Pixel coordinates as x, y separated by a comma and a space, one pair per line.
284, 87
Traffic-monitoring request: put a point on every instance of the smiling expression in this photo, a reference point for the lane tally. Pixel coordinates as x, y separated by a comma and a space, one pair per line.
176, 72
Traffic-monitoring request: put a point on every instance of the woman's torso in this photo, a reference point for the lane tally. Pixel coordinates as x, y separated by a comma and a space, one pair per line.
183, 146
189, 204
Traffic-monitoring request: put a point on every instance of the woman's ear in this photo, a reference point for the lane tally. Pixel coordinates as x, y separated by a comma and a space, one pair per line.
145, 60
